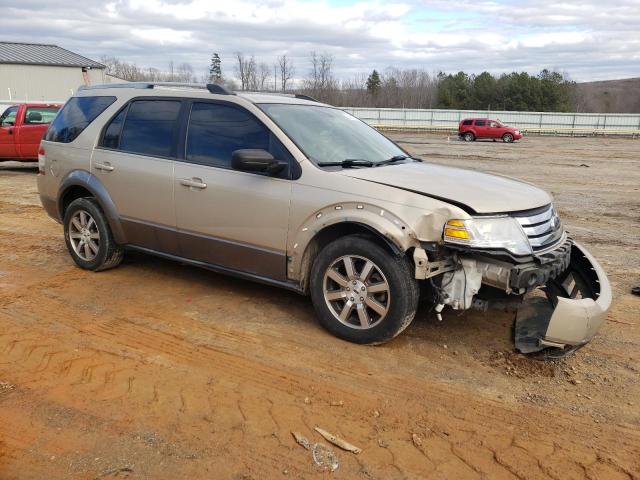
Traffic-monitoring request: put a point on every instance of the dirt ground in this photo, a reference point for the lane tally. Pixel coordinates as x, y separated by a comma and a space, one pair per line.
158, 370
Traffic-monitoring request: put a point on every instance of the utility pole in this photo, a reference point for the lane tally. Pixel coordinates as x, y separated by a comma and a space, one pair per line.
275, 77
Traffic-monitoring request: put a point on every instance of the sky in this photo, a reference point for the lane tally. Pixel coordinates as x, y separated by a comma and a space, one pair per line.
587, 40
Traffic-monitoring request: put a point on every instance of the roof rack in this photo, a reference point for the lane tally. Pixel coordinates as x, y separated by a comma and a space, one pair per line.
211, 87
302, 96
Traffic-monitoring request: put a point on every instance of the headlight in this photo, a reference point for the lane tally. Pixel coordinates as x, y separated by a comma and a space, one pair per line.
517, 132
490, 232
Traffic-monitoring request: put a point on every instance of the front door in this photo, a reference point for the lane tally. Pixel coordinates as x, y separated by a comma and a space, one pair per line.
237, 220
7, 133
495, 130
135, 161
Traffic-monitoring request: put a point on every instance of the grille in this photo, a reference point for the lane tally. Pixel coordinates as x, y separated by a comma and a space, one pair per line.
542, 226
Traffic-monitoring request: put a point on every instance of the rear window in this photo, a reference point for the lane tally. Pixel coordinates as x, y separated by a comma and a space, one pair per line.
467, 122
150, 128
480, 123
40, 115
75, 116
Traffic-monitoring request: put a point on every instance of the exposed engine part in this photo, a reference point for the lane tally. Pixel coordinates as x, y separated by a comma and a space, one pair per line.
438, 310
460, 285
426, 269
496, 274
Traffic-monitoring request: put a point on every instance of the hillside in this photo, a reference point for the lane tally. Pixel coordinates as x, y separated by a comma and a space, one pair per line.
609, 96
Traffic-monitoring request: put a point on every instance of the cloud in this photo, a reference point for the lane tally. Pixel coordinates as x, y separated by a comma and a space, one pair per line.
588, 40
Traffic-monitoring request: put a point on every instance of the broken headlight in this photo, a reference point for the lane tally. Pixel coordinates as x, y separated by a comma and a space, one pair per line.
488, 233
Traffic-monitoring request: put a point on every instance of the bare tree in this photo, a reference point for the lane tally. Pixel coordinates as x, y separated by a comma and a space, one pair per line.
264, 73
287, 71
185, 73
321, 83
241, 70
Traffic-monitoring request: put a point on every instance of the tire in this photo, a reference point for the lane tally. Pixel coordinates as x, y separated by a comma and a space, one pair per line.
507, 138
91, 245
468, 137
399, 300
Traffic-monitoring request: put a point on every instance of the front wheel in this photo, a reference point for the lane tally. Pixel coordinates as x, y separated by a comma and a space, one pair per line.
361, 292
507, 138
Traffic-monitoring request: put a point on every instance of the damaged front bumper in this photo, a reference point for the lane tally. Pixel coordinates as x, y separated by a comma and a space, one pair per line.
574, 309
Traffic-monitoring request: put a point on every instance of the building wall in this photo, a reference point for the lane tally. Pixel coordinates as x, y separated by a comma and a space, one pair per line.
43, 83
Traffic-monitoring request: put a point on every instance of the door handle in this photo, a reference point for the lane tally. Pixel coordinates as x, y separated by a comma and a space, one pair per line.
193, 182
105, 167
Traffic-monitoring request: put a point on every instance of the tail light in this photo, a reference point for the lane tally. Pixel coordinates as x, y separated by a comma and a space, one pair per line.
41, 161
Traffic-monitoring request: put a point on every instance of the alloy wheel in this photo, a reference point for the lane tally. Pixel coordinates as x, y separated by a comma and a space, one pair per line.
84, 235
356, 292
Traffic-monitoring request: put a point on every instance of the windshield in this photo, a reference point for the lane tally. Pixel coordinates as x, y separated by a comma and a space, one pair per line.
327, 134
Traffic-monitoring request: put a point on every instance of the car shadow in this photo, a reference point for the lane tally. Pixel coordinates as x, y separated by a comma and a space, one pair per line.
493, 329
18, 167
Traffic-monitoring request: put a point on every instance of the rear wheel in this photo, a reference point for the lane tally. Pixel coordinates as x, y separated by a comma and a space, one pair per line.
88, 236
361, 292
468, 137
507, 138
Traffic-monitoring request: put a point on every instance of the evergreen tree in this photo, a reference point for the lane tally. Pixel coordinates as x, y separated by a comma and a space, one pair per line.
373, 83
215, 70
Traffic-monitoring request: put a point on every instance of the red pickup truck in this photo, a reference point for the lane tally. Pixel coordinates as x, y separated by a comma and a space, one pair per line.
22, 127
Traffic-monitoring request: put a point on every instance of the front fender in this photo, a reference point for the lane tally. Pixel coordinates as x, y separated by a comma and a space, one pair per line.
396, 232
82, 178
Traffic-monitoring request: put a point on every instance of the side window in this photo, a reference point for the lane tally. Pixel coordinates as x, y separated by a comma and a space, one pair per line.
480, 123
75, 116
151, 127
467, 122
216, 131
39, 115
8, 118
493, 124
111, 136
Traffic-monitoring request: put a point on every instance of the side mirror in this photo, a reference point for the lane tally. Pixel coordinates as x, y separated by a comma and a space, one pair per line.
256, 160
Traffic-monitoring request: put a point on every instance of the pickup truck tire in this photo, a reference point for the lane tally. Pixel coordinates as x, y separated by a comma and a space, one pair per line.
89, 238
369, 302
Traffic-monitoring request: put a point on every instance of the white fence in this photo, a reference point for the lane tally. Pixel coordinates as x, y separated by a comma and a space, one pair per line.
528, 122
549, 123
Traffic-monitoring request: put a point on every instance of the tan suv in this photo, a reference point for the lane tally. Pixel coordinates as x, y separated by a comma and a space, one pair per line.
285, 190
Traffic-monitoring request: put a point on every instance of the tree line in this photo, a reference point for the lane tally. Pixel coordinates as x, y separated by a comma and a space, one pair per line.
391, 88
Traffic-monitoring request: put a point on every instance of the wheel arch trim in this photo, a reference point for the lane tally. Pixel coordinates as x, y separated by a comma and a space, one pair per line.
84, 179
396, 234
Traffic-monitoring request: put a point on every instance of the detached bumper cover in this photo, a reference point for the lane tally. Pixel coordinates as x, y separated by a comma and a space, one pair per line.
574, 321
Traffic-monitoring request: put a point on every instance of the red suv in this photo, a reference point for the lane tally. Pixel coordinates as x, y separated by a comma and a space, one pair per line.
471, 129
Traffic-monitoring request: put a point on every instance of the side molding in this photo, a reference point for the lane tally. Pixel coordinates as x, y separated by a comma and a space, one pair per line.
82, 178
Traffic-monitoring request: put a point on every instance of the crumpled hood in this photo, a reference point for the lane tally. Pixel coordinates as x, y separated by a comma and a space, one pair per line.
473, 191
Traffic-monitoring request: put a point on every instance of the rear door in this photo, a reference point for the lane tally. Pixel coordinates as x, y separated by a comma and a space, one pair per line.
135, 161
225, 217
35, 123
480, 128
7, 133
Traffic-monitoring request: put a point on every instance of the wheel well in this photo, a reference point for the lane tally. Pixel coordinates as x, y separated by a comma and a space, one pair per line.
72, 193
334, 232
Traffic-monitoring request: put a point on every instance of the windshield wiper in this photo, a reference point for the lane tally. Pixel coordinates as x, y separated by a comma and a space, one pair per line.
348, 163
397, 158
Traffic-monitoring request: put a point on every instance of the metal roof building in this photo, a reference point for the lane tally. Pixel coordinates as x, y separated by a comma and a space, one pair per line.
40, 72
